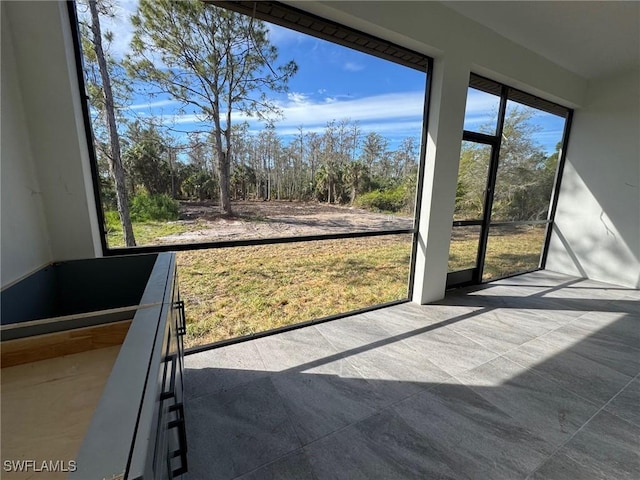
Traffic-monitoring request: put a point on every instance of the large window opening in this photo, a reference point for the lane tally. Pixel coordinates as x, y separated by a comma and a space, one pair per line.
508, 178
240, 291
275, 150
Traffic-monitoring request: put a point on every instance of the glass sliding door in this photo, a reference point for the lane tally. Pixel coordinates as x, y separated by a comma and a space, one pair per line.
468, 217
477, 153
510, 161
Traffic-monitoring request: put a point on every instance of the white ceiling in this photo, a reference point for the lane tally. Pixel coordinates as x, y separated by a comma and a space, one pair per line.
590, 38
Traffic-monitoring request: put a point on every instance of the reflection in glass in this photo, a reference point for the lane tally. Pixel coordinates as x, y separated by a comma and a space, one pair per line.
512, 249
463, 249
231, 292
481, 113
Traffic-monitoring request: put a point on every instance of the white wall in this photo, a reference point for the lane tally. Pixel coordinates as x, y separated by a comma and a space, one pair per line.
44, 114
25, 242
597, 231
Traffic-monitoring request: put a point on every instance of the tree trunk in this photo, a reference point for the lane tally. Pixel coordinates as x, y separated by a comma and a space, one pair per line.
173, 176
115, 164
224, 164
225, 178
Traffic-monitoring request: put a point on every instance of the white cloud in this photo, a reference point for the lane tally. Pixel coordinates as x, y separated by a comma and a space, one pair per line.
119, 24
392, 111
393, 114
281, 36
481, 104
297, 97
184, 118
194, 118
353, 67
385, 107
150, 105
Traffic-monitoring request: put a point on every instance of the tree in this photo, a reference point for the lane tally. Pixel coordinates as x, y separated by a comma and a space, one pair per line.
373, 151
268, 150
324, 183
520, 169
103, 100
356, 175
314, 149
146, 158
198, 183
525, 173
211, 59
198, 151
472, 180
405, 157
242, 178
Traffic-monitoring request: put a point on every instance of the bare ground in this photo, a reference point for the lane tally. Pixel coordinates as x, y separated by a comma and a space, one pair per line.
258, 219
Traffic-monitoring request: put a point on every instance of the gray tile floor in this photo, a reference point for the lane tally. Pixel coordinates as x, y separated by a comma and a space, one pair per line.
536, 376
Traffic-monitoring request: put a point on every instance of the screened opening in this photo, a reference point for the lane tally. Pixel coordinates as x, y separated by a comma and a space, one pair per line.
481, 112
475, 159
529, 151
238, 291
510, 160
463, 250
269, 131
513, 248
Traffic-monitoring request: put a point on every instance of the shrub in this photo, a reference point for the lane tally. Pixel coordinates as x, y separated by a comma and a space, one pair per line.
112, 221
145, 208
393, 200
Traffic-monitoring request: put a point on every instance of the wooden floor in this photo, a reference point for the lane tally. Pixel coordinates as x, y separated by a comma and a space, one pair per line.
532, 377
47, 406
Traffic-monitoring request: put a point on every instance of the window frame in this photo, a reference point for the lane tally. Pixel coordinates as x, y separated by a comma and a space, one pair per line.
304, 22
474, 276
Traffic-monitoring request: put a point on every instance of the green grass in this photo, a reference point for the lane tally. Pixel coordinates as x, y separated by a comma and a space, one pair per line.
464, 248
513, 249
231, 292
510, 249
238, 291
147, 233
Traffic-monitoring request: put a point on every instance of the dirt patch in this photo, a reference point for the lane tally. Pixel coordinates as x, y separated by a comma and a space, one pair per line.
256, 219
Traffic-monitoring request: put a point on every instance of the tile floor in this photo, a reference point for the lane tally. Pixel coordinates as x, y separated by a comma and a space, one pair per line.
536, 376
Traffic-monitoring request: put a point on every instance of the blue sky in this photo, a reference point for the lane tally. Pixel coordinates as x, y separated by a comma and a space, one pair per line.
332, 83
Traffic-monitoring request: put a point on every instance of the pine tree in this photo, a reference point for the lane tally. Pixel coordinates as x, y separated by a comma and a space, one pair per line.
211, 59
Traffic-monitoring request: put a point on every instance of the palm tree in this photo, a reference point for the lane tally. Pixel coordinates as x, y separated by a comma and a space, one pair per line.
323, 181
355, 176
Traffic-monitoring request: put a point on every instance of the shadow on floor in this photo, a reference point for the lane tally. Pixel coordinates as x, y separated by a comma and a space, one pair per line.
508, 381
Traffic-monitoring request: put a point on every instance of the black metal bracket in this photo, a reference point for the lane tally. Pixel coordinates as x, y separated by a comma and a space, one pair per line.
182, 324
171, 393
181, 452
